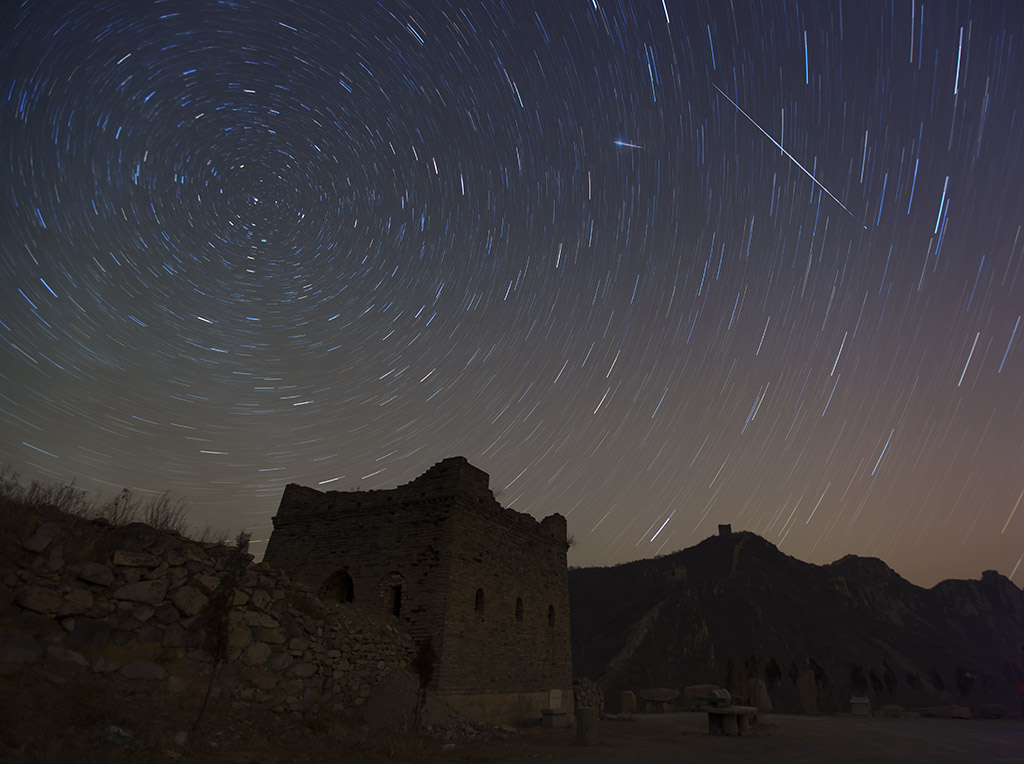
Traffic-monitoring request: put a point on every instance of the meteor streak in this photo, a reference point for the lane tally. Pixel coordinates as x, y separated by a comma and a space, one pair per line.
793, 158
627, 145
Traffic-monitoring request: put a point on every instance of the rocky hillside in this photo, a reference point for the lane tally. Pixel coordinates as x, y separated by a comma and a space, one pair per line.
123, 612
734, 609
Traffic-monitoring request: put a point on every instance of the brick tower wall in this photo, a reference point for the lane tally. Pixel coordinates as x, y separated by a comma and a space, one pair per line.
504, 654
381, 539
443, 537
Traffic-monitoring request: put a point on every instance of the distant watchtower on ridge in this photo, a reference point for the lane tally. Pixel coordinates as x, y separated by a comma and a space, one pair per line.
488, 586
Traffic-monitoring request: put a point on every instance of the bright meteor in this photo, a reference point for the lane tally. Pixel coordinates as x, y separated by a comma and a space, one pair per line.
627, 145
751, 119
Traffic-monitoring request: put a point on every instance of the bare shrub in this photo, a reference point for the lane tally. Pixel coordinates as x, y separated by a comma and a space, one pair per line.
65, 496
426, 658
121, 510
167, 514
10, 485
215, 617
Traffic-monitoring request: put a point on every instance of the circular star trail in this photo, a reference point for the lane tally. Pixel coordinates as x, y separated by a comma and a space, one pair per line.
654, 266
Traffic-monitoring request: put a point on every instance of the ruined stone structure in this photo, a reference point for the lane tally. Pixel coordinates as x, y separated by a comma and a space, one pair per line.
485, 586
130, 609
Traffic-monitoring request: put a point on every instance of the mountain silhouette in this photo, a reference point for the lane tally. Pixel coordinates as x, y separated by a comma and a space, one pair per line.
734, 608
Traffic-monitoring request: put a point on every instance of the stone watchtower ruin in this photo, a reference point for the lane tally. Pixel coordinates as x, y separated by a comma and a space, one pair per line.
486, 585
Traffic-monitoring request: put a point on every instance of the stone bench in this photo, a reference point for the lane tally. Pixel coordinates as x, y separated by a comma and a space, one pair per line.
729, 720
720, 697
658, 699
554, 717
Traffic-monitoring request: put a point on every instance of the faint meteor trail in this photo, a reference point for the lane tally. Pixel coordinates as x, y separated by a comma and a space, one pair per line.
793, 158
627, 145
1012, 512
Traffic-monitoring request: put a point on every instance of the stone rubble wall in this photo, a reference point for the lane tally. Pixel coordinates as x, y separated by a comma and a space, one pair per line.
586, 692
133, 604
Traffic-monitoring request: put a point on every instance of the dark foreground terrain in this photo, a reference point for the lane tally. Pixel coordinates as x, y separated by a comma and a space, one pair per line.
44, 722
683, 739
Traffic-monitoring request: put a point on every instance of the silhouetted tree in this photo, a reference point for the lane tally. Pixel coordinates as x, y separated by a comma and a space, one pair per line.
889, 677
772, 673
858, 681
215, 618
964, 681
424, 663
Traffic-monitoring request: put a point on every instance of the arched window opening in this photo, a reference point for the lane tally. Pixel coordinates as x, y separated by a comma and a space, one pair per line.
551, 616
396, 600
338, 587
478, 605
519, 608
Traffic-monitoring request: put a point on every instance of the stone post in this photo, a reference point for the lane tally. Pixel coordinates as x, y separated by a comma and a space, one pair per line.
627, 702
586, 725
808, 690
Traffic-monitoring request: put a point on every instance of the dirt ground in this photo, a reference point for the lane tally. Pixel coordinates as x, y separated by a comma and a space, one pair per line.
78, 720
778, 739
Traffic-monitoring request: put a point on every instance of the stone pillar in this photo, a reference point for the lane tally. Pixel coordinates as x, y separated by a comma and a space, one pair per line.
627, 702
734, 680
555, 698
760, 697
808, 690
586, 725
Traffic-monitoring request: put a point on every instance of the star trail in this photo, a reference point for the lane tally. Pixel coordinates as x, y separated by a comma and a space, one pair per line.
652, 265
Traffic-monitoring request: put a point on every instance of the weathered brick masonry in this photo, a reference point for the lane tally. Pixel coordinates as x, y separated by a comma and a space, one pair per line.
486, 585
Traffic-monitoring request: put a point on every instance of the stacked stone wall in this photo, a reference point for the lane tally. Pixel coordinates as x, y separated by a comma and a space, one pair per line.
132, 604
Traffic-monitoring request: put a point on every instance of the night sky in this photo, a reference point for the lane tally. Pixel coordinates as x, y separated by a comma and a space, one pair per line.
654, 266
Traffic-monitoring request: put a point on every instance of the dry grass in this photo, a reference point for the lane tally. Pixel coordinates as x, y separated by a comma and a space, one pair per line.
162, 512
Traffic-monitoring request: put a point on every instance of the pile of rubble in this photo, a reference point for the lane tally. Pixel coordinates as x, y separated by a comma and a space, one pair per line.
587, 693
